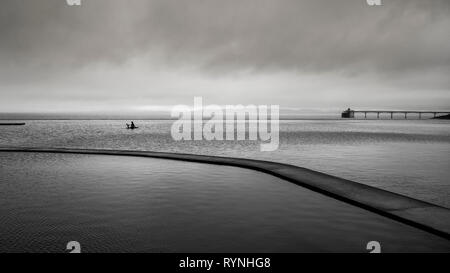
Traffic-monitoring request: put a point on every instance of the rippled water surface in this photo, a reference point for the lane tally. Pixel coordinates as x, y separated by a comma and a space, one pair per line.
132, 204
411, 157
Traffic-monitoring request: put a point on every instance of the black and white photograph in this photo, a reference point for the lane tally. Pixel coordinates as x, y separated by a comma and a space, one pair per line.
225, 127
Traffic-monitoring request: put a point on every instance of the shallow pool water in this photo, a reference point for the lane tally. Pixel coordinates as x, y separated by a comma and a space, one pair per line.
132, 204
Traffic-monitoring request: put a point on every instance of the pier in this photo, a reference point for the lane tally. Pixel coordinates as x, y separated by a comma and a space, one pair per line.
349, 113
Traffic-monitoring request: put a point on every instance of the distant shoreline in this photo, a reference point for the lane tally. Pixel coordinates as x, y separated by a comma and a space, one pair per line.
12, 124
443, 117
447, 117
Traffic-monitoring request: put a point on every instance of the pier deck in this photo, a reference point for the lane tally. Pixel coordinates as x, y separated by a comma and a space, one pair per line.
349, 113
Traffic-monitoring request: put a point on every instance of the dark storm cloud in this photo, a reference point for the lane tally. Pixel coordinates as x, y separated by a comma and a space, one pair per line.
404, 43
256, 34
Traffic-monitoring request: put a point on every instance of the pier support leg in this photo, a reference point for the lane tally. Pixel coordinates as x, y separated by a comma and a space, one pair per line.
392, 115
406, 115
365, 115
420, 115
378, 115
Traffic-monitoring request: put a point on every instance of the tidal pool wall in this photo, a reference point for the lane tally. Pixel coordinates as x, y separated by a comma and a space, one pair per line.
420, 214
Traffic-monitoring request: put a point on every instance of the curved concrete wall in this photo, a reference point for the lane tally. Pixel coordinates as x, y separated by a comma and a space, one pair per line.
423, 215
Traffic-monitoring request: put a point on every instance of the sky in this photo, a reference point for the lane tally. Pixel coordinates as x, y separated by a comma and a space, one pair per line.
115, 56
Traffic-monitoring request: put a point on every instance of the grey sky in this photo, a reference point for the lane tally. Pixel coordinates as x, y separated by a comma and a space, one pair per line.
115, 55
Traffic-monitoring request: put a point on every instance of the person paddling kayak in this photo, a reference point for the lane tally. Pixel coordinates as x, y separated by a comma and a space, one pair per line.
132, 126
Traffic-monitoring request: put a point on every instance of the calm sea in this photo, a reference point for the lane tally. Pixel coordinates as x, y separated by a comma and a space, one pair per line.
127, 204
411, 157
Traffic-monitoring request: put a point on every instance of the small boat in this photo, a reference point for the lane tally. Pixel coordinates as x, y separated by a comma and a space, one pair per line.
129, 128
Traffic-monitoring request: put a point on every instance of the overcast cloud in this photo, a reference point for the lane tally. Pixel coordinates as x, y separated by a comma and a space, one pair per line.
111, 55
